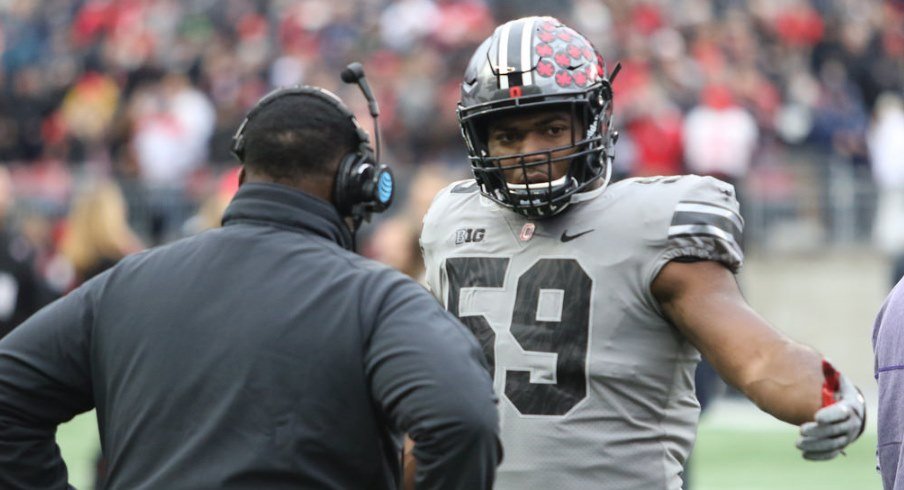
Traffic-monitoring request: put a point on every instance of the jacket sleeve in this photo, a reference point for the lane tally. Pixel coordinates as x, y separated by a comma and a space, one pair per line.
430, 378
44, 381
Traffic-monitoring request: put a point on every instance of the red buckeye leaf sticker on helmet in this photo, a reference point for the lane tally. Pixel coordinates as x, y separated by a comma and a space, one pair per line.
546, 37
574, 51
545, 68
563, 60
580, 78
563, 78
600, 64
548, 26
564, 35
544, 50
589, 54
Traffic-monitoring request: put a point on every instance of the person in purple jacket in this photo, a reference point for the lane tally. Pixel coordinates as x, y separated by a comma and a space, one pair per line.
888, 346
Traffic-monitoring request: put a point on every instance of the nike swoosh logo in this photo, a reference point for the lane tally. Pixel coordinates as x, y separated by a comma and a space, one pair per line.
567, 238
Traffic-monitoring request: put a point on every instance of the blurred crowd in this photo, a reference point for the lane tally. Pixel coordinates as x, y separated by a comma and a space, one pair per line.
134, 102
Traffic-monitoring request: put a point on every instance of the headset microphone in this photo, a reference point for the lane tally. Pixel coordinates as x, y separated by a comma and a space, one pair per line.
366, 186
354, 73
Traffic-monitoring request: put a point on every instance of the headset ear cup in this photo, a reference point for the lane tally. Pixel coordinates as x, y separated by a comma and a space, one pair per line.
361, 183
382, 188
344, 189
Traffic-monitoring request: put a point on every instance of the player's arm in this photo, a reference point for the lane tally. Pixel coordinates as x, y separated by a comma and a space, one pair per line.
702, 299
783, 377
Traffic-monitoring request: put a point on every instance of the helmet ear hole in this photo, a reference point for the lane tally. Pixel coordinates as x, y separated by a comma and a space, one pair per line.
594, 98
599, 97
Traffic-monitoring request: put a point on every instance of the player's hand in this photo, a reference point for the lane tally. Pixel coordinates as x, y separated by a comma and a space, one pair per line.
840, 421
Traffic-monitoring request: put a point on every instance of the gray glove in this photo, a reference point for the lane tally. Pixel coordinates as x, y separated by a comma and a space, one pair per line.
840, 421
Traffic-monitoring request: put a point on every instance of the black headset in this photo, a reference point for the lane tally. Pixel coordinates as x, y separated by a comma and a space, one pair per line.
362, 184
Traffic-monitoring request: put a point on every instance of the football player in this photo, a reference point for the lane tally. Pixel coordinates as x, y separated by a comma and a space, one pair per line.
593, 301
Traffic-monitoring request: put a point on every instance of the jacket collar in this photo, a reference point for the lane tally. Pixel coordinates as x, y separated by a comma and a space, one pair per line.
285, 206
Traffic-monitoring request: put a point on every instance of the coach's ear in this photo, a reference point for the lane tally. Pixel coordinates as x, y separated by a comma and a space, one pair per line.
241, 175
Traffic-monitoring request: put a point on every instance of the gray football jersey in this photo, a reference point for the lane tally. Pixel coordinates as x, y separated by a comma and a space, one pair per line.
596, 388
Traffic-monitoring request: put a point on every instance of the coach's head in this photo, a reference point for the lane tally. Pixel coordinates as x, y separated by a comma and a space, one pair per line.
306, 138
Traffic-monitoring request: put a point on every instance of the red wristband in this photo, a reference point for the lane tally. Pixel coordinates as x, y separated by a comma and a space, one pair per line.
831, 383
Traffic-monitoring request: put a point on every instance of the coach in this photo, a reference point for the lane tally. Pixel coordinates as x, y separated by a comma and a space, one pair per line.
264, 354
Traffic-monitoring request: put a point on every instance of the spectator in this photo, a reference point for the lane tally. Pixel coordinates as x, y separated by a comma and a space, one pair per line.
173, 125
656, 131
720, 137
885, 141
87, 111
22, 290
97, 233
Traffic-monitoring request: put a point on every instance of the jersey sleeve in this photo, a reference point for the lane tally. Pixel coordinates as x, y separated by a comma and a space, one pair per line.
705, 224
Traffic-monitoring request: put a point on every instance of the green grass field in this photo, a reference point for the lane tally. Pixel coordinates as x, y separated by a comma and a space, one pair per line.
740, 448
79, 444
737, 448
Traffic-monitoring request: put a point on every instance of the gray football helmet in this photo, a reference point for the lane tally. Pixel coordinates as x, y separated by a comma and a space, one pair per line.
525, 65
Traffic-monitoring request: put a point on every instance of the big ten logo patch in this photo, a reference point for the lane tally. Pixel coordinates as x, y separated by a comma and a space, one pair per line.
469, 235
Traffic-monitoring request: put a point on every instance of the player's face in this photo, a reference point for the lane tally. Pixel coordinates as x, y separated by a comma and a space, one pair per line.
529, 133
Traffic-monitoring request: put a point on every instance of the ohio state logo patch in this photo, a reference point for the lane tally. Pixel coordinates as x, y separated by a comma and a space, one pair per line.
527, 231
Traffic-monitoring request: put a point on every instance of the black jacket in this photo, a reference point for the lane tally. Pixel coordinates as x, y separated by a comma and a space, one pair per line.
264, 354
